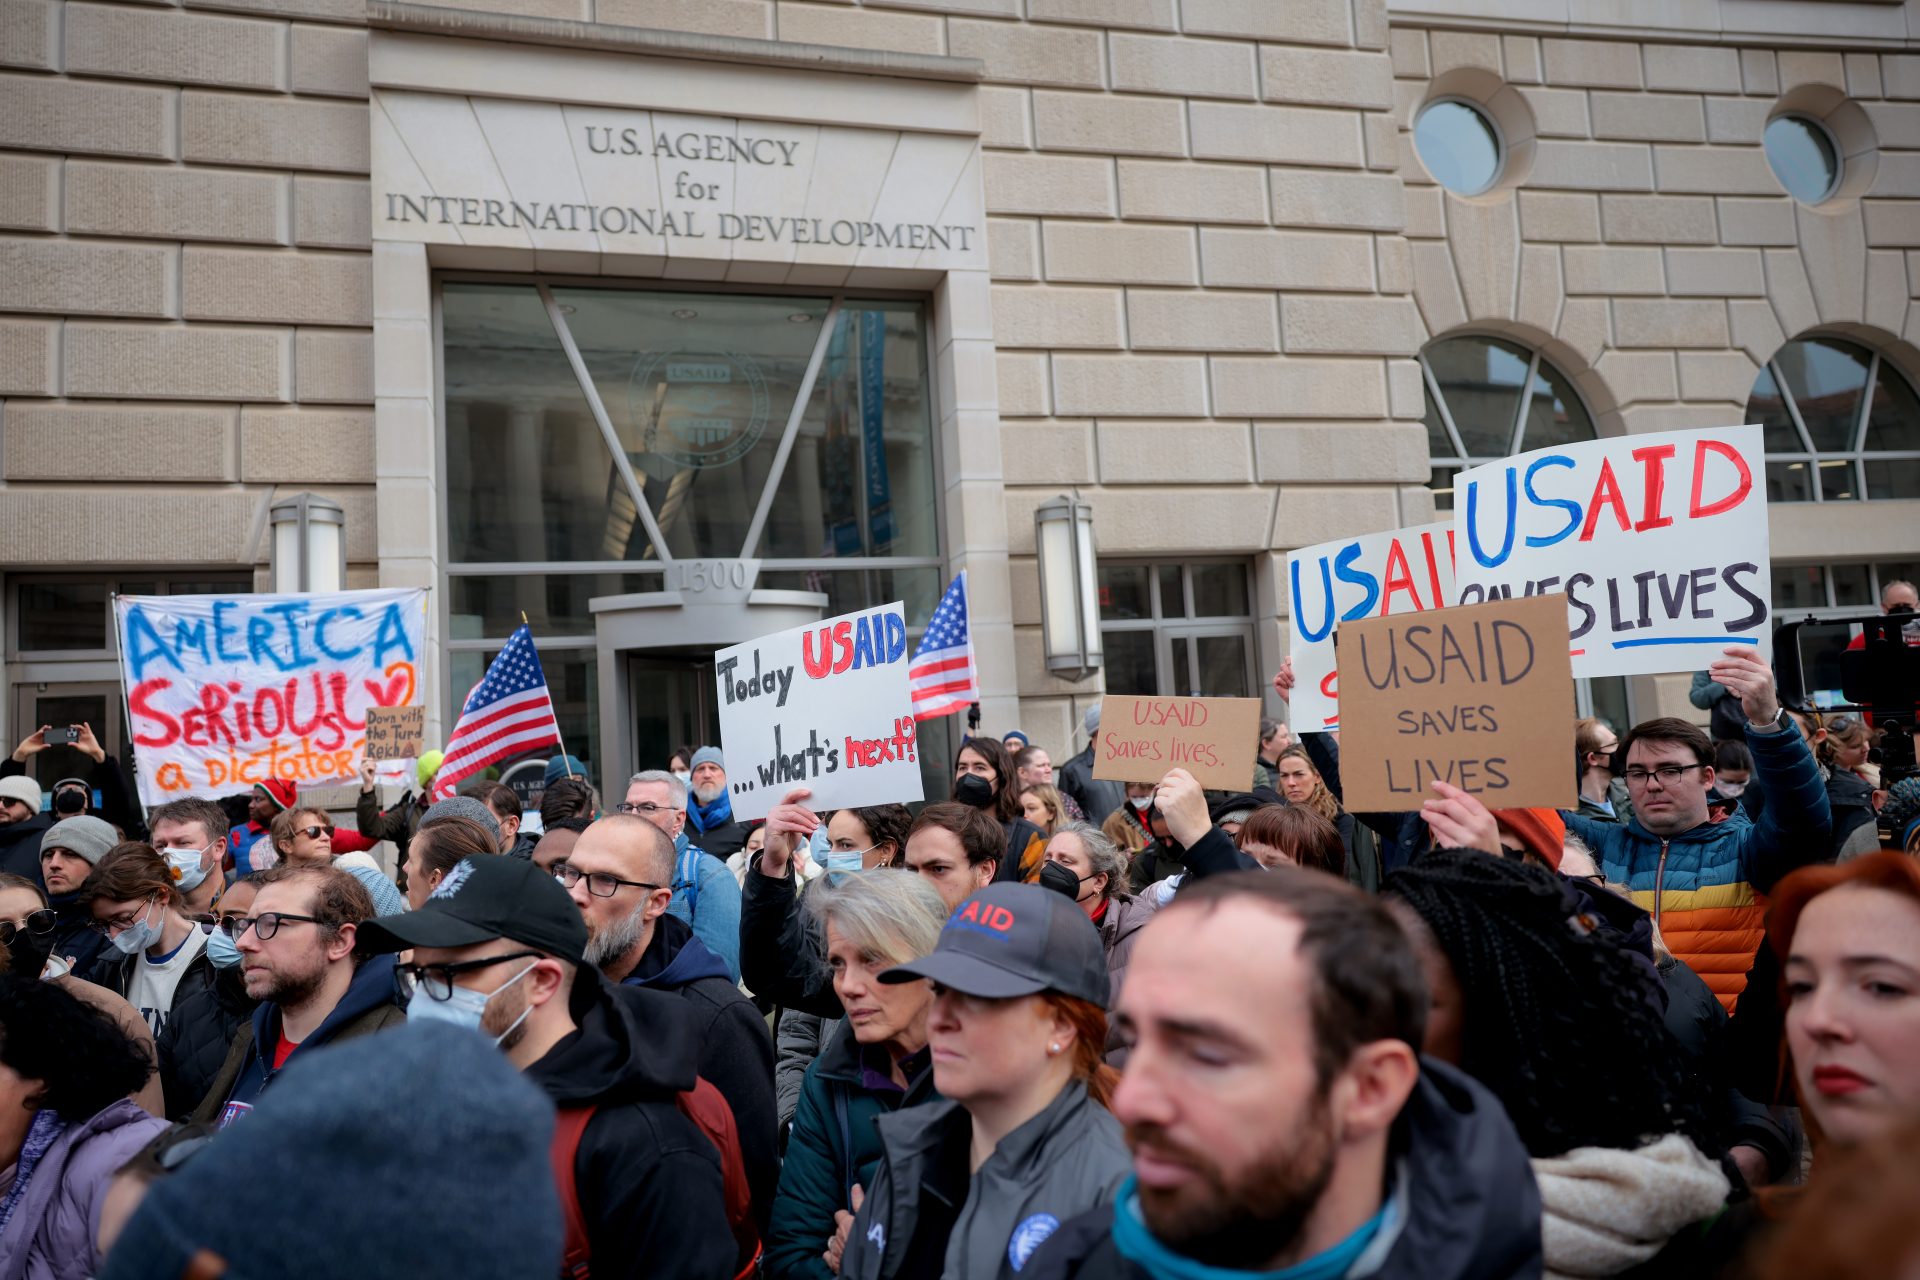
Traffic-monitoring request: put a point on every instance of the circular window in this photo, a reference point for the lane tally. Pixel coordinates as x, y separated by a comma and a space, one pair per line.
1803, 156
1459, 145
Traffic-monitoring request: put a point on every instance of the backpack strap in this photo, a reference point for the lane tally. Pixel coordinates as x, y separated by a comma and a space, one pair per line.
687, 876
707, 1108
570, 1125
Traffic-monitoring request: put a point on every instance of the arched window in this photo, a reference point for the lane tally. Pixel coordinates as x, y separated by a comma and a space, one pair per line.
1488, 399
1835, 409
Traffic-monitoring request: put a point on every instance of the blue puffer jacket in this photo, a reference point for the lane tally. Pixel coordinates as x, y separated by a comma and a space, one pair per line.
1705, 886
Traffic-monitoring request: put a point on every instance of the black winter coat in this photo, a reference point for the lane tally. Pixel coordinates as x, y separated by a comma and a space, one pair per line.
20, 847
193, 1045
1096, 797
649, 1180
777, 960
735, 1049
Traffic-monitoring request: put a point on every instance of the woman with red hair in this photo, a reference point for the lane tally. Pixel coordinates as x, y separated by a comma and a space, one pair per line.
1848, 940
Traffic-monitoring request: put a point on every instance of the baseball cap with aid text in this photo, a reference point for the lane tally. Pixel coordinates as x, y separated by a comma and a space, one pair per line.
1011, 940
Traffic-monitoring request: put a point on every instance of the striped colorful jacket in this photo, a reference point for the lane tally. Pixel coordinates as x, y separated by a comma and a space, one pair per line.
1706, 887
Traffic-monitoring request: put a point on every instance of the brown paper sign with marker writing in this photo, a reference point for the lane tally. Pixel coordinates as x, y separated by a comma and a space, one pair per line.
1214, 739
395, 733
1479, 696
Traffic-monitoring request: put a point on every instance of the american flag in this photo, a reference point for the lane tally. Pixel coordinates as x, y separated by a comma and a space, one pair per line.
507, 713
942, 675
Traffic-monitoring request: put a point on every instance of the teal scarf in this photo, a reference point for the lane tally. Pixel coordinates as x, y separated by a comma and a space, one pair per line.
1137, 1244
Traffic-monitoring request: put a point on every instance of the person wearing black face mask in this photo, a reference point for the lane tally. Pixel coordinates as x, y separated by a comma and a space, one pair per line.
984, 778
1083, 864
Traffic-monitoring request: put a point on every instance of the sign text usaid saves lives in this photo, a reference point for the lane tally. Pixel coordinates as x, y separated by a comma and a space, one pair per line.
1659, 541
825, 707
1376, 576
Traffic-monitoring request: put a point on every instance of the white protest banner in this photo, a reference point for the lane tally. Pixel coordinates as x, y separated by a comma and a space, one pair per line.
1659, 541
824, 707
224, 691
1376, 576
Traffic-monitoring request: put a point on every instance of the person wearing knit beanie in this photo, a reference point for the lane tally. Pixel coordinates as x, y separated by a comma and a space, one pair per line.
326, 1177
1540, 832
68, 853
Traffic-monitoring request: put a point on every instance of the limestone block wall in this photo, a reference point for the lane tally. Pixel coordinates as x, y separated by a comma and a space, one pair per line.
1647, 245
185, 286
1644, 244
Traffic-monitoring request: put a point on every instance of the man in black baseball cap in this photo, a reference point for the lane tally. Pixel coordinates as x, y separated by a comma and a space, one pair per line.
500, 947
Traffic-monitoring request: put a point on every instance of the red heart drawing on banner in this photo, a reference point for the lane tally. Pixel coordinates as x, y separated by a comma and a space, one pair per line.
400, 677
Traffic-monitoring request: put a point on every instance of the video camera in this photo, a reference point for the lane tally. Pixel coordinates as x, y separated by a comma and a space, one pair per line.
1877, 675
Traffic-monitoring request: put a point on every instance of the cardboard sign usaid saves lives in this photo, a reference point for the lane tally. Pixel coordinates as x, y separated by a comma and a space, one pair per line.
824, 707
1376, 576
1659, 541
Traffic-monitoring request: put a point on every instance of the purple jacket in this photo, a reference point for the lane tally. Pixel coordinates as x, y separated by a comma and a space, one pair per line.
51, 1236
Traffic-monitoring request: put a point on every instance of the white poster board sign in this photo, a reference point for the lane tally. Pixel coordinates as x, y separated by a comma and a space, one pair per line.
1659, 541
224, 691
1376, 576
824, 707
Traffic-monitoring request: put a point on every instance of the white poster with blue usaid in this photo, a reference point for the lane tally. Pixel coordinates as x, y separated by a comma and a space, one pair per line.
825, 707
1659, 541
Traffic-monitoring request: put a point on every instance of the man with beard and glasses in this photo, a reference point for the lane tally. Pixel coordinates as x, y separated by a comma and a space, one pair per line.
1280, 1119
705, 894
297, 952
620, 873
499, 948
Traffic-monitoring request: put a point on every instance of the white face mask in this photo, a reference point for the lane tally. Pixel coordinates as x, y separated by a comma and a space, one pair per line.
685, 777
1142, 803
138, 936
187, 866
465, 1008
1731, 790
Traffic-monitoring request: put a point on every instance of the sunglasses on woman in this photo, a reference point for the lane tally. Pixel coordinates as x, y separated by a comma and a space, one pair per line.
37, 922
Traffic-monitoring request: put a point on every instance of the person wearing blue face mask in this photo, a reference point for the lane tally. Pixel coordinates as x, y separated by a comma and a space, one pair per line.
193, 1044
156, 954
500, 948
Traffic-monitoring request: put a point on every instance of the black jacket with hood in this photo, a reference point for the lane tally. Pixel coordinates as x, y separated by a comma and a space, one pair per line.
735, 1048
778, 961
648, 1179
1462, 1203
193, 1045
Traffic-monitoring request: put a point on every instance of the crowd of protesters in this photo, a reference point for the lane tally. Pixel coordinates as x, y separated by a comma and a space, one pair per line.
1053, 1026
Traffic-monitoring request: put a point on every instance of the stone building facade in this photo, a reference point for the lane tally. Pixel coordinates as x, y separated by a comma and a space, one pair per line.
1178, 258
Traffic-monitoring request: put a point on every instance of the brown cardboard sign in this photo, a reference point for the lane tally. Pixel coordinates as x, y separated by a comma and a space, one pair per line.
1214, 739
1479, 696
395, 733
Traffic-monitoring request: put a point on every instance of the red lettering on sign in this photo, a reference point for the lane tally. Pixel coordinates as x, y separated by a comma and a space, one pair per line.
1733, 499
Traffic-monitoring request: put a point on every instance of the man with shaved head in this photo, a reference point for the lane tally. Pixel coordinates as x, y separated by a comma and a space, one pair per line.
620, 873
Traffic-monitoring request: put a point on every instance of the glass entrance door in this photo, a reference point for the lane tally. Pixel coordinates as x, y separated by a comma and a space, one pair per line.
674, 705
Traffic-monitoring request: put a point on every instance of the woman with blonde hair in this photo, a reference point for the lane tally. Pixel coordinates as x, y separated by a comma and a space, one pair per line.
1040, 803
874, 1063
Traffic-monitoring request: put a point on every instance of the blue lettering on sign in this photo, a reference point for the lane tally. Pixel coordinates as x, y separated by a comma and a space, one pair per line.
1343, 569
1307, 629
282, 635
1568, 505
320, 633
1473, 522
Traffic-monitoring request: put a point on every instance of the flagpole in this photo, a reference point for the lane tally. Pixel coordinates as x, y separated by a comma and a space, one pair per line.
565, 762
